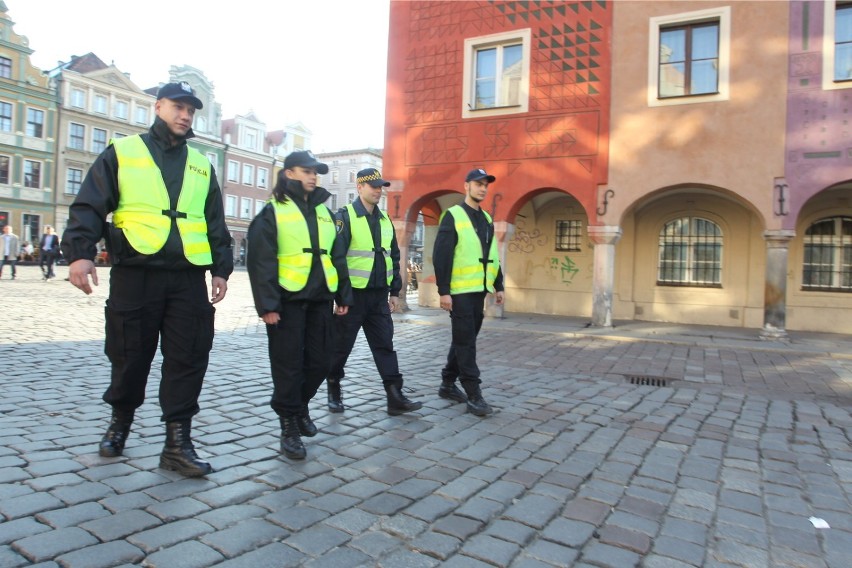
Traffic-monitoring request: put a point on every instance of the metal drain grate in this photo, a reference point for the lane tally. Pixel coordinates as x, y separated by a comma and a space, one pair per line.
647, 381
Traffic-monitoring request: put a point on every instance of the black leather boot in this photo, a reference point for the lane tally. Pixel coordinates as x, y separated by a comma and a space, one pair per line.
398, 403
450, 391
476, 405
112, 444
306, 425
291, 442
179, 452
335, 400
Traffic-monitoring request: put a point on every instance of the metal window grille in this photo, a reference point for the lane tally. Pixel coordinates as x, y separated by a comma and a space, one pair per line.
690, 253
827, 263
568, 235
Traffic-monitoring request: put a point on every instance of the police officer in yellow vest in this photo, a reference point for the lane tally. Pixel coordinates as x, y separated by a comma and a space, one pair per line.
373, 260
168, 229
297, 270
467, 268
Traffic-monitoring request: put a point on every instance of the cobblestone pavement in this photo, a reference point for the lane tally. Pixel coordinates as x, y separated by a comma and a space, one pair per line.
720, 460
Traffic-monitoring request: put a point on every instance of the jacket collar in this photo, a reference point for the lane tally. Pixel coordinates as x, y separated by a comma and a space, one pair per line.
160, 132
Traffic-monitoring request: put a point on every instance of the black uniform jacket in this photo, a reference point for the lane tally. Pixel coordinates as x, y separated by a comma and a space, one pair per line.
378, 279
262, 257
445, 246
99, 196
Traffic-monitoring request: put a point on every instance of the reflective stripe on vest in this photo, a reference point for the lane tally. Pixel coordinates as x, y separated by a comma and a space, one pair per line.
295, 254
468, 274
144, 211
362, 255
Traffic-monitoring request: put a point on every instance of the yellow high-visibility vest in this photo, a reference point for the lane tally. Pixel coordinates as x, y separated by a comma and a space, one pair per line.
144, 211
362, 255
469, 273
295, 254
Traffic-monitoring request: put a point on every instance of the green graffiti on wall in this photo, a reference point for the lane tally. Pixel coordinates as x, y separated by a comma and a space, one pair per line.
566, 267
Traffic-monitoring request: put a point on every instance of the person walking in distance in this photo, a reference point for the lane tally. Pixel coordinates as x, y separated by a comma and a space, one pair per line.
8, 250
48, 248
168, 229
467, 268
297, 270
372, 255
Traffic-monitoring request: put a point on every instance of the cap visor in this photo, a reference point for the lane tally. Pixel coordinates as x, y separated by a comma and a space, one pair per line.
379, 183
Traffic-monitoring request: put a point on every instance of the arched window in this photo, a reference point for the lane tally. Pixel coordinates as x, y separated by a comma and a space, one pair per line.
690, 253
828, 255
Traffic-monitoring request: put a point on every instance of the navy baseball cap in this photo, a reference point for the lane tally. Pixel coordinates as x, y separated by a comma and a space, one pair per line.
182, 90
373, 177
478, 174
304, 159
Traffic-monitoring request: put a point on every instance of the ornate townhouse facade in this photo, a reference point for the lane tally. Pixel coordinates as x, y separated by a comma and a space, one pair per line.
655, 160
28, 109
342, 169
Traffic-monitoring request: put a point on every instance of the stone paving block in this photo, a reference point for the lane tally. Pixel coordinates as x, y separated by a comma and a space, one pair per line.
403, 526
552, 553
226, 516
415, 488
587, 511
739, 554
273, 555
11, 559
437, 545
480, 509
623, 538
11, 531
333, 502
838, 548
655, 561
176, 509
411, 559
233, 494
375, 543
82, 492
120, 524
106, 470
385, 504
737, 533
732, 516
633, 522
679, 549
29, 504
298, 517
568, 532
181, 487
689, 531
169, 534
431, 508
533, 510
192, 554
511, 531
47, 545
127, 502
102, 556
784, 557
73, 516
609, 556
363, 488
353, 521
456, 526
243, 537
491, 550
317, 539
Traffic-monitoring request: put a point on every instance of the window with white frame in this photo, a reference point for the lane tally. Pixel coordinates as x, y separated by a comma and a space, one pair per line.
233, 171
141, 115
334, 202
258, 205
117, 135
200, 124
262, 178
245, 207
837, 45
248, 174
689, 57
76, 136
828, 255
73, 179
5, 116
99, 140
351, 176
496, 74
213, 159
100, 104
5, 171
5, 68
335, 176
120, 109
32, 174
351, 197
35, 122
690, 253
78, 98
250, 138
568, 235
231, 205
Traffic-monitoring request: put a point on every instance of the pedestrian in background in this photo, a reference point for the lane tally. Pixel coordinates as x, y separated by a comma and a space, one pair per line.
467, 268
9, 250
372, 256
168, 229
48, 249
297, 270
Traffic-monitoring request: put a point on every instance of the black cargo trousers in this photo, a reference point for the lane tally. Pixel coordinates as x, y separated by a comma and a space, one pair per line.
146, 306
